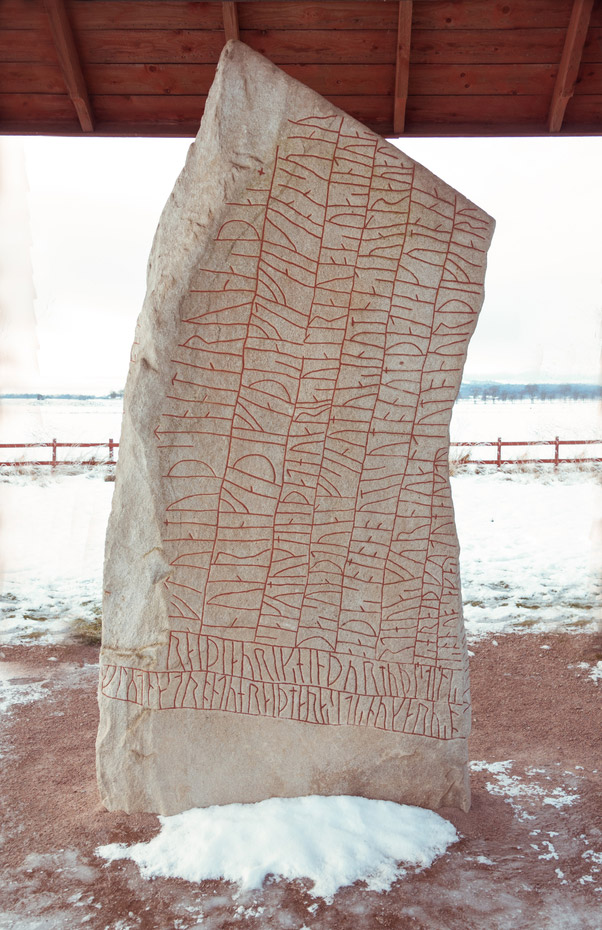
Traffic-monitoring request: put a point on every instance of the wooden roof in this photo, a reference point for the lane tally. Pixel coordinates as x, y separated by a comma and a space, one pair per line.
415, 67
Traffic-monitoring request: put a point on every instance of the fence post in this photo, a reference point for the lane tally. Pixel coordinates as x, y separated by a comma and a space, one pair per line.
54, 453
110, 450
556, 451
499, 451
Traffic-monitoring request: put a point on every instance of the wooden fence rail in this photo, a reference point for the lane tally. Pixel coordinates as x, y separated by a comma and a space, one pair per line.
498, 445
556, 442
54, 445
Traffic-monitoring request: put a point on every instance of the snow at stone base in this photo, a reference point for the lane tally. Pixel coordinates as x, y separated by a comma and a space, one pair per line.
332, 841
529, 561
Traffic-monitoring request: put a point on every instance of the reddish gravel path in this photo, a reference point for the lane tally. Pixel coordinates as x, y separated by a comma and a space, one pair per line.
522, 862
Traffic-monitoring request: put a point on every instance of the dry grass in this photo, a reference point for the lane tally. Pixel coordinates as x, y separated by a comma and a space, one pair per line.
88, 630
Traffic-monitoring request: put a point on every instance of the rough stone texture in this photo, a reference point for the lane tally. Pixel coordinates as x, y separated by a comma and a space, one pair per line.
282, 607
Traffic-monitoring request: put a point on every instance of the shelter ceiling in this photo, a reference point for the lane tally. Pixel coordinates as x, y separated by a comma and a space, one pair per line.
415, 67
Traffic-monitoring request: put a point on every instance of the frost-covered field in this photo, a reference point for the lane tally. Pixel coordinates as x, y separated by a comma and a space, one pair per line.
531, 540
100, 420
64, 420
523, 420
530, 549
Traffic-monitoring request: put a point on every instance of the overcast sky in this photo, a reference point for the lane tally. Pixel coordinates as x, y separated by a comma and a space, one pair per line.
93, 206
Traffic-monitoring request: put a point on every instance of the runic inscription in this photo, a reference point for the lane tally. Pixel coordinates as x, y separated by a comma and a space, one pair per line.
303, 441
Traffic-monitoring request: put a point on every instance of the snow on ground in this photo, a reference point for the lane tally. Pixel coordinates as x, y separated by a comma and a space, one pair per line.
14, 693
332, 841
593, 671
520, 792
66, 420
596, 672
477, 421
529, 554
548, 786
51, 552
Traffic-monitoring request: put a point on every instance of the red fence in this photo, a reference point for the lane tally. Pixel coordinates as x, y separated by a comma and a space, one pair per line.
498, 445
54, 445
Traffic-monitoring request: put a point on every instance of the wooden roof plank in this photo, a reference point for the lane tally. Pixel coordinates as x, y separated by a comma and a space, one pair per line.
526, 110
535, 46
318, 14
118, 14
146, 14
584, 111
589, 80
126, 108
428, 14
190, 78
592, 50
570, 62
39, 108
230, 14
481, 80
152, 46
449, 109
352, 80
180, 78
298, 14
402, 65
69, 62
39, 78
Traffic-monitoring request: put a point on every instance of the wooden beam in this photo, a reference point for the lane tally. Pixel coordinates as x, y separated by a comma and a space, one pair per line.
570, 61
402, 66
230, 20
69, 62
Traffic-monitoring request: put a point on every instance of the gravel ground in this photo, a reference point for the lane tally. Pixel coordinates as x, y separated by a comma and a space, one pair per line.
530, 856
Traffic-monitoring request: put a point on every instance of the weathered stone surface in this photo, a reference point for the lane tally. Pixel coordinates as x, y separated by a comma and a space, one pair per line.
282, 608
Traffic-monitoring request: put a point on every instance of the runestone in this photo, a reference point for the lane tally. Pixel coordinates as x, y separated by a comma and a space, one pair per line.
282, 609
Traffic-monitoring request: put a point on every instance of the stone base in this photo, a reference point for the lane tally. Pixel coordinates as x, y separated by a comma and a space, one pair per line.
174, 760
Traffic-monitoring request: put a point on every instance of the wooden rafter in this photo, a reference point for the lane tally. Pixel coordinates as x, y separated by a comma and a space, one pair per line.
402, 66
230, 20
69, 62
569, 62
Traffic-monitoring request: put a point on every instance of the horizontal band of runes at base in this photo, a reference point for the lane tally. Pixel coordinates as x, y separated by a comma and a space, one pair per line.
429, 677
199, 690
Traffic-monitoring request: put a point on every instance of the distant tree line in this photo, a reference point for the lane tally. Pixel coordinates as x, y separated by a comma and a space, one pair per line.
491, 391
113, 395
473, 390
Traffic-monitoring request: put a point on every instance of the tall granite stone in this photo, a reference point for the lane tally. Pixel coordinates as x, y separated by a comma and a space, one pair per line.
282, 609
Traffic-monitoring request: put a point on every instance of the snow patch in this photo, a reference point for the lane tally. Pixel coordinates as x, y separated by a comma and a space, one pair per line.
528, 561
51, 554
332, 841
516, 791
14, 693
596, 672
